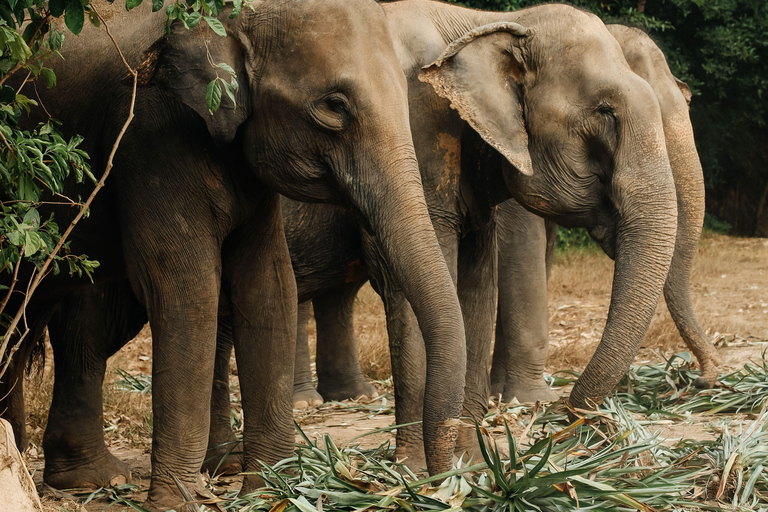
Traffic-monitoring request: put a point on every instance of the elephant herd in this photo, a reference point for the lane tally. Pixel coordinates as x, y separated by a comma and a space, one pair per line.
417, 144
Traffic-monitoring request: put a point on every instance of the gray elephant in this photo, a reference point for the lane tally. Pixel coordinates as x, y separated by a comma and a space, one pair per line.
526, 244
191, 216
557, 65
464, 178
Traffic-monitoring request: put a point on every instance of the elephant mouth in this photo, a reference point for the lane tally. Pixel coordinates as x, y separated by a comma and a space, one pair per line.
605, 238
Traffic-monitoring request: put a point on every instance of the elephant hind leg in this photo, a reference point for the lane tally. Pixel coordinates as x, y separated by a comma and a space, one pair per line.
225, 452
304, 392
338, 368
89, 326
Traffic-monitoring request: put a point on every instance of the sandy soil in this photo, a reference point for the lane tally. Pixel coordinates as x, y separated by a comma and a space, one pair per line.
730, 286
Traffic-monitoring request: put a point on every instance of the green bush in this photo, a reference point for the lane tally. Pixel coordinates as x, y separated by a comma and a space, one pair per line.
574, 239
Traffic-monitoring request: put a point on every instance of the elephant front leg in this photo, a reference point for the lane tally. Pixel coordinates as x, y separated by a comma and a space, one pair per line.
304, 393
338, 368
181, 292
12, 407
262, 293
522, 340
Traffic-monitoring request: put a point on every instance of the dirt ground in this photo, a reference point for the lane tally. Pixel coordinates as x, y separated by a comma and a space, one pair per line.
730, 289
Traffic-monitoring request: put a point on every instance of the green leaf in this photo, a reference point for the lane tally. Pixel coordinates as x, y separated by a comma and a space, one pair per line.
56, 39
7, 94
238, 6
226, 67
216, 25
130, 4
213, 96
75, 16
50, 77
32, 243
57, 7
193, 20
157, 5
94, 19
230, 92
32, 217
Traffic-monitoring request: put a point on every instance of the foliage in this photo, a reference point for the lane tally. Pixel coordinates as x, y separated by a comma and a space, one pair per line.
574, 239
604, 460
714, 225
34, 163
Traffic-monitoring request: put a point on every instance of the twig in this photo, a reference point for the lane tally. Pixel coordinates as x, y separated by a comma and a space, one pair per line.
7, 145
24, 82
36, 282
13, 283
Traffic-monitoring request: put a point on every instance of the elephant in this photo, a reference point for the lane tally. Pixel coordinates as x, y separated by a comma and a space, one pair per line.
465, 169
552, 66
190, 217
526, 245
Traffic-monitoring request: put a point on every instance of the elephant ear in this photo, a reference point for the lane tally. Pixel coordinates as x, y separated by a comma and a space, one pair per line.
185, 62
684, 89
481, 74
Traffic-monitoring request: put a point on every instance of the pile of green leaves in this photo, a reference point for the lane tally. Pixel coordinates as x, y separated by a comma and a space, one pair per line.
605, 460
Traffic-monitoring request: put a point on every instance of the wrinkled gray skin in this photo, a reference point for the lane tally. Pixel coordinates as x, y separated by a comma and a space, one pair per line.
321, 115
597, 173
525, 247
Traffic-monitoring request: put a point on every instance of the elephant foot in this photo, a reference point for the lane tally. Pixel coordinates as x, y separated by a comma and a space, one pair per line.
412, 456
164, 496
306, 397
530, 392
251, 483
467, 446
224, 458
347, 390
497, 388
103, 471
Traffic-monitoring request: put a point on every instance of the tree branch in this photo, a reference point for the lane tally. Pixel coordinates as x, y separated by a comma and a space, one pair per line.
42, 272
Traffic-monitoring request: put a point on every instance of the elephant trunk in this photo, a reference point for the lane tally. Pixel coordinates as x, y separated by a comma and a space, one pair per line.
689, 181
644, 202
395, 210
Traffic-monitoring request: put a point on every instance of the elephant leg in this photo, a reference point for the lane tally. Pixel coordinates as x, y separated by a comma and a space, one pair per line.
12, 407
262, 294
89, 326
225, 452
522, 340
338, 368
178, 276
477, 296
304, 393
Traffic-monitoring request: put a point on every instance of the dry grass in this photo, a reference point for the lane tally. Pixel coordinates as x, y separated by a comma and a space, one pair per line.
579, 292
371, 333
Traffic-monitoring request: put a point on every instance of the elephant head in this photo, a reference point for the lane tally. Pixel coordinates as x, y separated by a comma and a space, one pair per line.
320, 120
584, 143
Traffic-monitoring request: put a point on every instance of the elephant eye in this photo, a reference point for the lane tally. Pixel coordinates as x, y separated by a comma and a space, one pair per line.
332, 112
338, 102
607, 110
